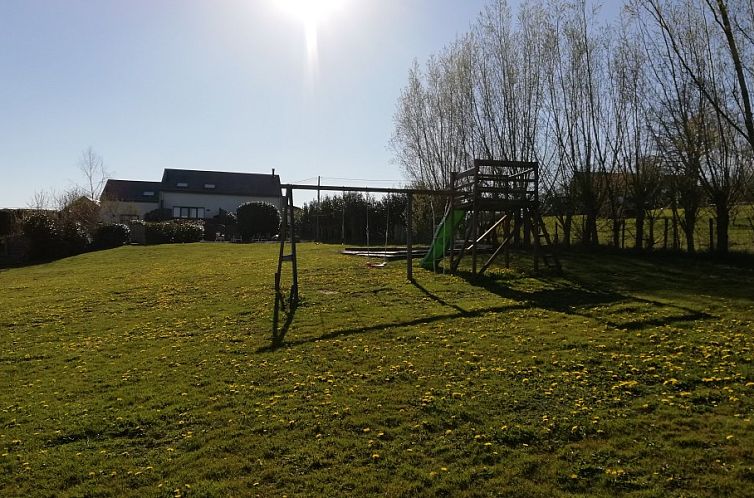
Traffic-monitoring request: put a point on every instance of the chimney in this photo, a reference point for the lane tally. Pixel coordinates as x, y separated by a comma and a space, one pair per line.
273, 171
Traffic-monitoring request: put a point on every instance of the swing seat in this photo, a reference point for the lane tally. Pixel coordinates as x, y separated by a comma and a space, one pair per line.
376, 265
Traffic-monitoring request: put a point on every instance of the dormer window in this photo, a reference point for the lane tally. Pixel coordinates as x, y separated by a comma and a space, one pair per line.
209, 186
148, 193
182, 185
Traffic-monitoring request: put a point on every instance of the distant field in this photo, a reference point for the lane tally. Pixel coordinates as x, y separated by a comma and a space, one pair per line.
145, 371
741, 231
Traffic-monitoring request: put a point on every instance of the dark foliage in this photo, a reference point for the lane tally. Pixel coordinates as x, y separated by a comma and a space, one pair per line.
9, 224
109, 236
74, 238
223, 224
258, 220
50, 239
344, 219
44, 239
159, 214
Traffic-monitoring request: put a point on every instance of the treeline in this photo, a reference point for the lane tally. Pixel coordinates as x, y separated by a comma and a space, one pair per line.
650, 111
350, 217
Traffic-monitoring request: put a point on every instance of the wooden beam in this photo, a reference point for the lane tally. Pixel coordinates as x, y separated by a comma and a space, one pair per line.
487, 264
376, 190
409, 238
497, 224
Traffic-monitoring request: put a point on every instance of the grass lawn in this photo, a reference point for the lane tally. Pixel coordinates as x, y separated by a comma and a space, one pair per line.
146, 371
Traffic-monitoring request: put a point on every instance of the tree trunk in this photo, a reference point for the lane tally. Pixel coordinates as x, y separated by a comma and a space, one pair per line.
617, 223
688, 229
639, 236
591, 238
567, 223
723, 221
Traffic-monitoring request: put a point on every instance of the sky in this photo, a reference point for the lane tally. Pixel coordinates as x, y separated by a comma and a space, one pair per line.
226, 85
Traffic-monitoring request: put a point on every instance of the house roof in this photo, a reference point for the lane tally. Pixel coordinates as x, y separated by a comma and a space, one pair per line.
220, 182
131, 191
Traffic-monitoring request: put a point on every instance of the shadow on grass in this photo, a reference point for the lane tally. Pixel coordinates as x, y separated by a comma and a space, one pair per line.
385, 326
573, 296
568, 295
436, 298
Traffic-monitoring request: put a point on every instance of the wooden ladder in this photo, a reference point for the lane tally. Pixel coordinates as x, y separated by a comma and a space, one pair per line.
544, 244
287, 229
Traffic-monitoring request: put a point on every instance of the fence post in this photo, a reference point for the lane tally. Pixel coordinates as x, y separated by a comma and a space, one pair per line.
711, 235
665, 235
676, 242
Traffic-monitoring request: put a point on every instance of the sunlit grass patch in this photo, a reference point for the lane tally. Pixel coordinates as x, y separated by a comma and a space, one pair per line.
148, 371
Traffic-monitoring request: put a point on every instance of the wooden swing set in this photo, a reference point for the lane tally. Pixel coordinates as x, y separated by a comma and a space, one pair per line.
481, 199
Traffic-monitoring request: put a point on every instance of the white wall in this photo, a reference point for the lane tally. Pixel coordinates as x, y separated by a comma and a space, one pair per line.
111, 211
212, 203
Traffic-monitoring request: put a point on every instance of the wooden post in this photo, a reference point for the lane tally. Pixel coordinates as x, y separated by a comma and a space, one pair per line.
506, 236
409, 238
319, 209
475, 217
278, 294
534, 223
450, 212
276, 309
294, 287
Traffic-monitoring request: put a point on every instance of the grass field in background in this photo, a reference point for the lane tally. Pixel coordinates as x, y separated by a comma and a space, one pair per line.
146, 371
741, 230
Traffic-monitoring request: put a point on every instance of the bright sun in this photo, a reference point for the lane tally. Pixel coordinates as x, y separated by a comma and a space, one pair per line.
311, 13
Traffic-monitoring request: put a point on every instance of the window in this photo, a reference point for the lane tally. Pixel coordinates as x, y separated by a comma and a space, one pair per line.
182, 184
209, 186
148, 193
190, 213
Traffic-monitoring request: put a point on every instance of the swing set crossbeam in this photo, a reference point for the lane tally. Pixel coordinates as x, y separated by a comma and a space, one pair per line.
510, 188
369, 190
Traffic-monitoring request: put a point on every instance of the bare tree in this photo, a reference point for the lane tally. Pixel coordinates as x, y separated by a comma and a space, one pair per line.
702, 102
727, 27
43, 200
92, 167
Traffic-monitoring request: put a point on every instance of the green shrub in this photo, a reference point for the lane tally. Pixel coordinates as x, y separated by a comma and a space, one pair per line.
159, 233
169, 232
74, 238
109, 236
8, 222
44, 240
188, 232
159, 214
225, 218
258, 219
50, 239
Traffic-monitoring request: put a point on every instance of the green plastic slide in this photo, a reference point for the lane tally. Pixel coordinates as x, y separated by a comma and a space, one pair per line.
443, 238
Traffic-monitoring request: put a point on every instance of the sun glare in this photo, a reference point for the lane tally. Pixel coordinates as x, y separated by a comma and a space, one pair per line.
311, 11
311, 14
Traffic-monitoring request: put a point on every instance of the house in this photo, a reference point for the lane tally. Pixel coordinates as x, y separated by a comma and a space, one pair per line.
125, 200
188, 194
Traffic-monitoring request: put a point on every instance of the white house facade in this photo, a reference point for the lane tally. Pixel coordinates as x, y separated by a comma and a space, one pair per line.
126, 200
188, 194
